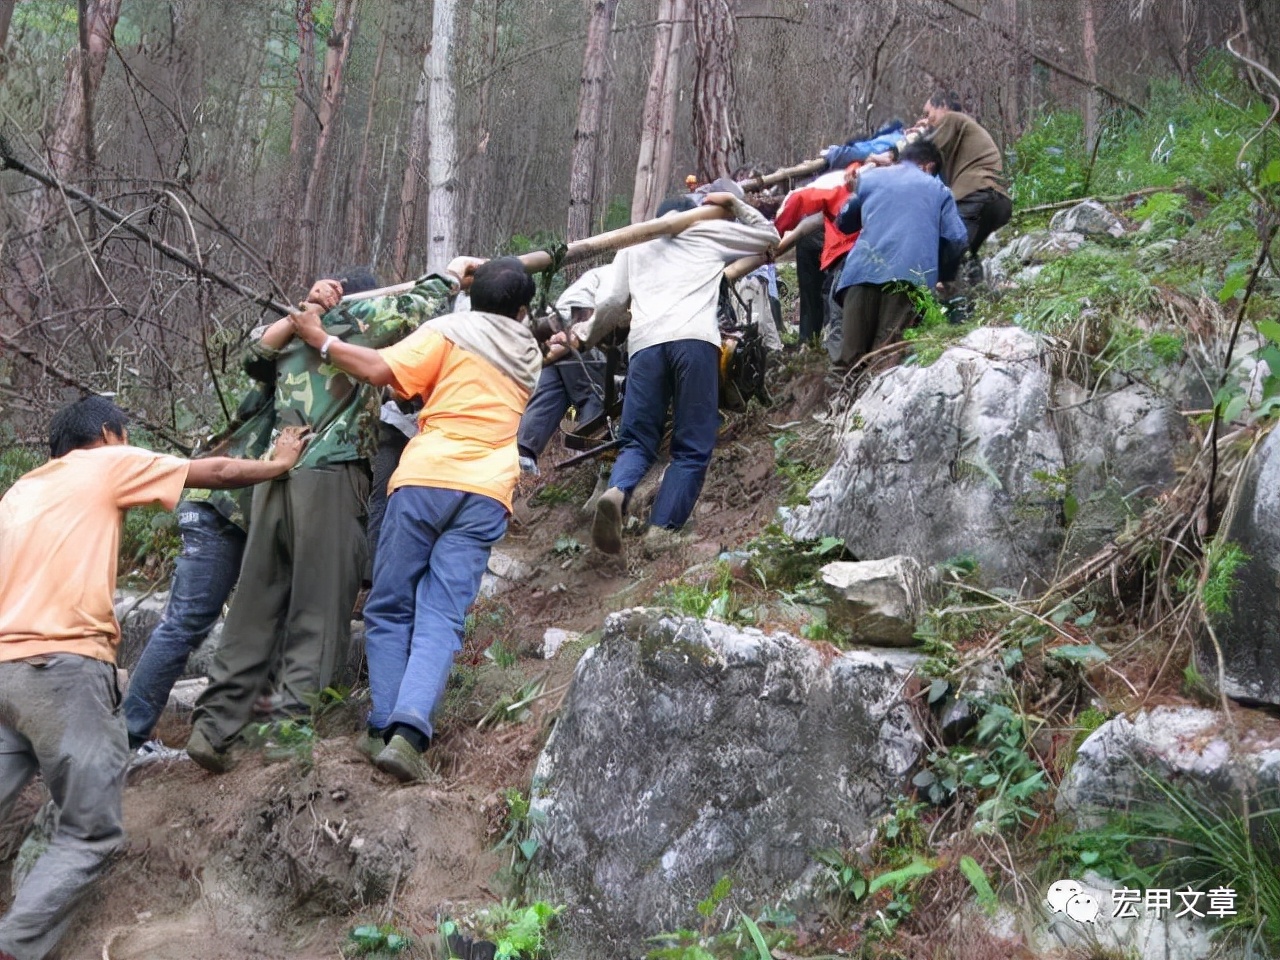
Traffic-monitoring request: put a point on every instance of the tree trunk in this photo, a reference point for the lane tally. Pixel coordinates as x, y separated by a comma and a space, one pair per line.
357, 228
335, 61
71, 139
6, 16
584, 165
715, 113
1090, 44
287, 239
70, 142
657, 132
413, 171
442, 130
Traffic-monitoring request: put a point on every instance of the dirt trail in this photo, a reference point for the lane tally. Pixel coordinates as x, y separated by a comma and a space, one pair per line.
279, 858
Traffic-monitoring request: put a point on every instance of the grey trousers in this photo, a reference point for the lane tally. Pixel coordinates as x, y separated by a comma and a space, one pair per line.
60, 715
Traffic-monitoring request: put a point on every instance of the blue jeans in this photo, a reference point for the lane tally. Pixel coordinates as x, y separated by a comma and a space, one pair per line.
560, 385
433, 551
683, 375
203, 577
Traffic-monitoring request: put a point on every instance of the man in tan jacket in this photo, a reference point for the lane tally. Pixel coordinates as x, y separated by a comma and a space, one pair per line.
972, 167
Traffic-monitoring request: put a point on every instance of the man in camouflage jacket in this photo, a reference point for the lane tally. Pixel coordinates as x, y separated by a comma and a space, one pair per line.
306, 549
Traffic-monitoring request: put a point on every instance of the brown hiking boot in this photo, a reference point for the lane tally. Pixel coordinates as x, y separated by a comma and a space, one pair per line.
606, 528
205, 755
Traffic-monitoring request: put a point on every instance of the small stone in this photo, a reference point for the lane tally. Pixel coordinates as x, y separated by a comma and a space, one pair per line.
878, 601
1089, 217
554, 639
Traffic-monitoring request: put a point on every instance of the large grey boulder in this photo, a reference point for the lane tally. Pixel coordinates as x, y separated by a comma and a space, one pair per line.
688, 751
1121, 444
1250, 632
1132, 761
1019, 258
948, 459
879, 602
990, 452
1088, 217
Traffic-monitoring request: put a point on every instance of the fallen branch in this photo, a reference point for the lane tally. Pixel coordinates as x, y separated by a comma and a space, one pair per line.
68, 380
1118, 198
10, 162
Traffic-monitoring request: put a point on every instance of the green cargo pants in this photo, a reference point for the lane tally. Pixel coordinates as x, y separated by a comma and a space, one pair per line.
291, 613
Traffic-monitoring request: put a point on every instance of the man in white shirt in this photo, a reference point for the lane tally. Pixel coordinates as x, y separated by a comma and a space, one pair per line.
669, 289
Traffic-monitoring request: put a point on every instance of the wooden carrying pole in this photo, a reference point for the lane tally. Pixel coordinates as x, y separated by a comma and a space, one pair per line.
808, 168
740, 268
540, 260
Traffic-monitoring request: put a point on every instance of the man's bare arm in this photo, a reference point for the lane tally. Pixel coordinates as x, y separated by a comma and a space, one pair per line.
229, 473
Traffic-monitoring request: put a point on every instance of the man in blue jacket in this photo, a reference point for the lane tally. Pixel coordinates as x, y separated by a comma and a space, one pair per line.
912, 236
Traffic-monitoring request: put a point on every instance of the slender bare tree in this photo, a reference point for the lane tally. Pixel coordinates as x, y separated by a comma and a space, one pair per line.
285, 246
413, 169
442, 131
657, 129
584, 164
6, 16
1089, 43
69, 147
335, 61
357, 228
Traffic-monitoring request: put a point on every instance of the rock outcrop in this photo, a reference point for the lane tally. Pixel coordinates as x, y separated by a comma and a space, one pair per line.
988, 453
1088, 217
1126, 762
689, 750
1250, 633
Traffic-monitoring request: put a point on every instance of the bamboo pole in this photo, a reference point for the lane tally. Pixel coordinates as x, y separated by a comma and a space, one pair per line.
539, 260
805, 169
740, 268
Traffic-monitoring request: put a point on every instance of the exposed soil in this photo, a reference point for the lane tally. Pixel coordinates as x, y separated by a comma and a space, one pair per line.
280, 858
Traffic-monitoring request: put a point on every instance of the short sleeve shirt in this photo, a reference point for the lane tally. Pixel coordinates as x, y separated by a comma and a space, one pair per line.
470, 415
59, 541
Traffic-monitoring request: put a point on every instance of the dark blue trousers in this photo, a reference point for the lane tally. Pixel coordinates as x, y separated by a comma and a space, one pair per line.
683, 375
560, 385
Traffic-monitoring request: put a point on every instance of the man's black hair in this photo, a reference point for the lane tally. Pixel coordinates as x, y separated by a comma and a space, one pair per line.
948, 99
921, 153
79, 425
354, 279
679, 204
502, 286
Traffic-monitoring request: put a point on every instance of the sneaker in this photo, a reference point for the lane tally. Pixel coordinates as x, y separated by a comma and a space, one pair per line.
606, 528
369, 745
530, 466
660, 540
205, 755
153, 751
406, 764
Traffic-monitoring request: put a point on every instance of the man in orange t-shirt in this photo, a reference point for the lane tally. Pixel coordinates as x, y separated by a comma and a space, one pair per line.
449, 499
59, 697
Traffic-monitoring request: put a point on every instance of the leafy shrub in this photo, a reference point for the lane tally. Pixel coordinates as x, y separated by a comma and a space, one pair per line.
1047, 163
